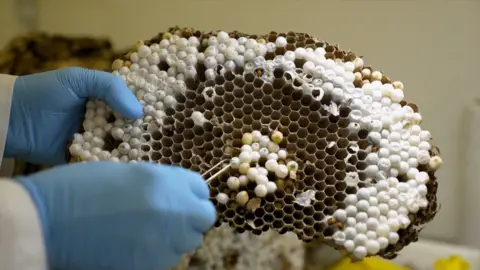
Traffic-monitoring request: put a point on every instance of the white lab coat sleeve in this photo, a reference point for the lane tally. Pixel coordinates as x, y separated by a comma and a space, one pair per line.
6, 90
21, 239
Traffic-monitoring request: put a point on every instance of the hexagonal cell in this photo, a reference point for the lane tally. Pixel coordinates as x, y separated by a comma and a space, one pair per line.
166, 152
319, 206
288, 219
320, 186
298, 215
293, 127
340, 165
330, 191
330, 160
340, 175
154, 156
302, 132
298, 225
299, 185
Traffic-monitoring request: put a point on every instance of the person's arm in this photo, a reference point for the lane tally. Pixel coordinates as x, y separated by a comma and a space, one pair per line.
21, 240
6, 90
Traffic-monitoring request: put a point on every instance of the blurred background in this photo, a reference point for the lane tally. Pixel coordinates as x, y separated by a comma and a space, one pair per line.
431, 46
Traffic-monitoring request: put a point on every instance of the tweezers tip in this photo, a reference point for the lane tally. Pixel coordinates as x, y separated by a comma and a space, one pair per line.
224, 169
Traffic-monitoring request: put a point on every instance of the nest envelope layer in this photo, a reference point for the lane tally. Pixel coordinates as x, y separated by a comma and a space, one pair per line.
317, 132
38, 52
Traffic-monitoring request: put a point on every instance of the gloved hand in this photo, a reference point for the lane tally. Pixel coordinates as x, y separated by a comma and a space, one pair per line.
120, 216
47, 109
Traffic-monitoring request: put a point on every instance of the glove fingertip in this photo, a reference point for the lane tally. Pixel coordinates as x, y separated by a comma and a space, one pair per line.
114, 91
130, 110
212, 215
207, 218
122, 100
199, 187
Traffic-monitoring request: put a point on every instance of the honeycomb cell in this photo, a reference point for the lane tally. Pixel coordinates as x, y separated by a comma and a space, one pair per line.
229, 213
340, 195
330, 191
239, 81
330, 160
299, 185
266, 111
352, 160
176, 158
293, 127
268, 218
259, 213
219, 80
288, 219
329, 170
322, 133
304, 111
320, 185
186, 164
279, 223
301, 143
308, 211
319, 205
156, 146
340, 175
276, 115
207, 146
298, 214
320, 175
154, 156
329, 210
248, 88
319, 227
289, 199
309, 181
298, 225
166, 152
340, 165
197, 141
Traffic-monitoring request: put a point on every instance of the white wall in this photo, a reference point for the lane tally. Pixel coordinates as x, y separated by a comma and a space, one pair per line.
9, 25
432, 46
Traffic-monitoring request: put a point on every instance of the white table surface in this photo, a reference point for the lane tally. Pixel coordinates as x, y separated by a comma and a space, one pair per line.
424, 253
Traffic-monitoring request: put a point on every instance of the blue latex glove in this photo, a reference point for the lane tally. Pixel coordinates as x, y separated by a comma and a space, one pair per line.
120, 216
47, 109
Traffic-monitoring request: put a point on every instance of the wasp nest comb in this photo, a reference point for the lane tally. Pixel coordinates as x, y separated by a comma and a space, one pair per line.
312, 140
38, 52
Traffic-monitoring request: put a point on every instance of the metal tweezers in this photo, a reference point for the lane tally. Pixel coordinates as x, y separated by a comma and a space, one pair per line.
224, 169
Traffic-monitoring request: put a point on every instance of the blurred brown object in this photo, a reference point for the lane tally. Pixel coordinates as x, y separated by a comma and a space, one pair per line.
38, 52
